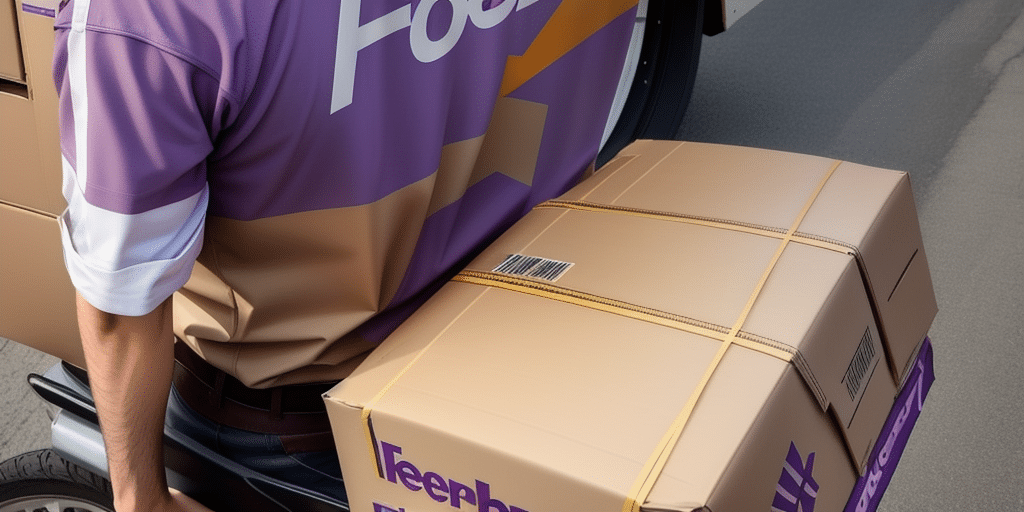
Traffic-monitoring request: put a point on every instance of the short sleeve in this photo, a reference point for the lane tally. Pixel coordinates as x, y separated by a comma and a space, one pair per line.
134, 122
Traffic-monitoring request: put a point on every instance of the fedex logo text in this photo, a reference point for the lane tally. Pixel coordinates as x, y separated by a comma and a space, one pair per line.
439, 489
353, 37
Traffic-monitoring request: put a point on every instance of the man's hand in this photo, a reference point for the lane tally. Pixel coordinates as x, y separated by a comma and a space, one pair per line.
130, 362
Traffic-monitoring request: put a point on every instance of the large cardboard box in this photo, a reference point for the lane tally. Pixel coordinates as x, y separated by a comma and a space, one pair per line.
696, 327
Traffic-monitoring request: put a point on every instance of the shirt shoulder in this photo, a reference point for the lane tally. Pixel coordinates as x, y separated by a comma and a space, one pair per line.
220, 38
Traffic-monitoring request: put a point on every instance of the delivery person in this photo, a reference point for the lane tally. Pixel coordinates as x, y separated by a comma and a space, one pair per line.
279, 183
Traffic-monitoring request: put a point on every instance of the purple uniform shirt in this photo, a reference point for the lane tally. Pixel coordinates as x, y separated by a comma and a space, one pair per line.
308, 171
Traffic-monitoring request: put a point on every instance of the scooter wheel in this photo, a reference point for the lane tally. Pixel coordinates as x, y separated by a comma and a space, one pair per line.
43, 481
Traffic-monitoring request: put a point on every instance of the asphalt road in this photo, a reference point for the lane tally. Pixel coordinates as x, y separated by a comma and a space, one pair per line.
932, 87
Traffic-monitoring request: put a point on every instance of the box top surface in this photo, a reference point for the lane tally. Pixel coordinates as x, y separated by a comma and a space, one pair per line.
743, 185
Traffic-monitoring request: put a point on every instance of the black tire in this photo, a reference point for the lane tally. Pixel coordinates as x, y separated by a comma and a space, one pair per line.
664, 77
43, 481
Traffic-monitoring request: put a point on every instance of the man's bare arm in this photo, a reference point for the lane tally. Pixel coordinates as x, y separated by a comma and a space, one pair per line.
130, 362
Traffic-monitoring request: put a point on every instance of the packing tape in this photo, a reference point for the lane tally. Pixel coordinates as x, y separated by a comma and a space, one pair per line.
754, 229
626, 309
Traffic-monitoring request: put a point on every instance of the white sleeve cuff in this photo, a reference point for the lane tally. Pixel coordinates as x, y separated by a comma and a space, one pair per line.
131, 291
128, 283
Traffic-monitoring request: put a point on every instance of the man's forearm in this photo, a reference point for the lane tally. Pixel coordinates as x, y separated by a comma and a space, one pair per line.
130, 361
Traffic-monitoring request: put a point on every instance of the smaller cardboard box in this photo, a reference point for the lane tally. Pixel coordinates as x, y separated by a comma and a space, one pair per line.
675, 334
11, 66
37, 300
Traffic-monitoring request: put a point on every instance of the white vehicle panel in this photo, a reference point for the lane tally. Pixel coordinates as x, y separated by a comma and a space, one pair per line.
734, 9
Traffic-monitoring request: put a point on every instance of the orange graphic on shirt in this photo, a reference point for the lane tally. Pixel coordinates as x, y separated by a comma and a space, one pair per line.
572, 23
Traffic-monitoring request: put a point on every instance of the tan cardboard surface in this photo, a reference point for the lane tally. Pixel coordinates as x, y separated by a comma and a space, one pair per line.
19, 153
466, 393
36, 40
624, 271
766, 189
36, 297
713, 435
608, 250
892, 252
583, 386
530, 386
37, 301
31, 170
11, 67
812, 295
749, 478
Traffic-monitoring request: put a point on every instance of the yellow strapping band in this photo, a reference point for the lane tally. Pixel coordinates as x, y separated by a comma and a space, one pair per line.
656, 463
621, 308
368, 407
754, 229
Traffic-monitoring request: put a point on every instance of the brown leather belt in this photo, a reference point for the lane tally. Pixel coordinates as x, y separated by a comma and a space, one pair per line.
296, 413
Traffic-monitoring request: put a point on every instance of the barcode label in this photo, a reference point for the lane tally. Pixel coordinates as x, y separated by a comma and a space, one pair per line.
533, 266
860, 364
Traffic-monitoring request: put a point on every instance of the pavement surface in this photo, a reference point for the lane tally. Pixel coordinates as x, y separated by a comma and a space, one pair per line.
24, 425
932, 87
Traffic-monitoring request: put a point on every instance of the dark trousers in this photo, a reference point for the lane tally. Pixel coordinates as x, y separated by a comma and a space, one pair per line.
259, 429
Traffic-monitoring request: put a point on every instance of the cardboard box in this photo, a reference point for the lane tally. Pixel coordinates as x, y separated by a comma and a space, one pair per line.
11, 67
37, 301
675, 334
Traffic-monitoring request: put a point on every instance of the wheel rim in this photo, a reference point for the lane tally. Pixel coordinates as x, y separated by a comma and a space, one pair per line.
50, 504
